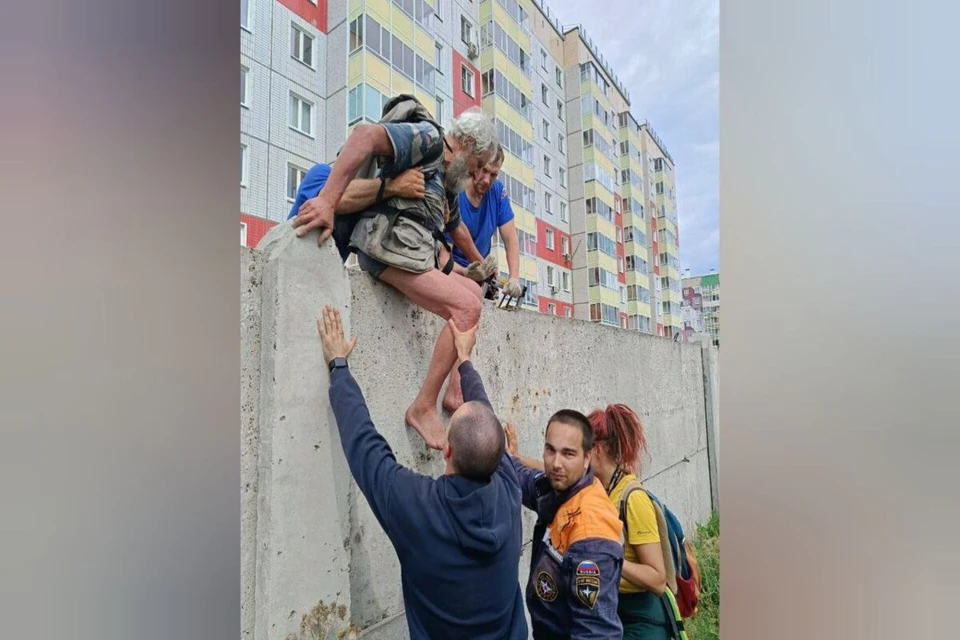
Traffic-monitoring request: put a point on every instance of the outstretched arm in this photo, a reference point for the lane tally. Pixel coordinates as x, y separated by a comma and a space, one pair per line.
513, 449
369, 457
470, 381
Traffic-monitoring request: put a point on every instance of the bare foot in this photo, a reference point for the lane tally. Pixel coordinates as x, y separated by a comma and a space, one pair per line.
426, 422
453, 398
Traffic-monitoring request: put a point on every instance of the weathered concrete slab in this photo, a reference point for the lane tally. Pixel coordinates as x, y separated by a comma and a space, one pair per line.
250, 274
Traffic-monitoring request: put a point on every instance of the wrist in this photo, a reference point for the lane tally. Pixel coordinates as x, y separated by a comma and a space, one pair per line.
389, 191
337, 362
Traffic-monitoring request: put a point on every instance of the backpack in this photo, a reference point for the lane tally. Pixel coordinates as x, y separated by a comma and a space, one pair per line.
680, 561
400, 108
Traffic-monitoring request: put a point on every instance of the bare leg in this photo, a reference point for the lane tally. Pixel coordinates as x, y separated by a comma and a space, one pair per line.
453, 398
442, 296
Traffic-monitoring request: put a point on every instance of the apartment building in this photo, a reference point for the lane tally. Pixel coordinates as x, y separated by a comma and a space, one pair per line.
591, 186
701, 296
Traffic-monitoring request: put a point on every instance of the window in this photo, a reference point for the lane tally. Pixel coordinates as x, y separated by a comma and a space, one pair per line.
466, 81
546, 165
244, 83
245, 14
658, 164
568, 312
620, 268
560, 110
659, 188
565, 279
546, 130
559, 74
551, 309
549, 243
548, 202
438, 59
560, 143
543, 93
564, 245
301, 45
543, 59
295, 176
439, 112
563, 211
619, 234
466, 30
301, 115
623, 300
551, 280
243, 234
244, 164
563, 176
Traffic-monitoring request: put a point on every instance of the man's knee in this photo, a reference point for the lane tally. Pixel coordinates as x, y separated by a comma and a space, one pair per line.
466, 312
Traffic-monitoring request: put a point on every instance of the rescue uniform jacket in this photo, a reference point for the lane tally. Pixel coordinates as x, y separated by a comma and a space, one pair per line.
576, 559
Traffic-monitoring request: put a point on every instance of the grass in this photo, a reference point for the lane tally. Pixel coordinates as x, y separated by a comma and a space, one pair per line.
705, 625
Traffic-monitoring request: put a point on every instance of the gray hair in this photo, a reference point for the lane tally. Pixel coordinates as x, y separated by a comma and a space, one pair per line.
475, 130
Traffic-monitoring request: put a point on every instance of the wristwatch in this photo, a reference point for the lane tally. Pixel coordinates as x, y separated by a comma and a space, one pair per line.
337, 363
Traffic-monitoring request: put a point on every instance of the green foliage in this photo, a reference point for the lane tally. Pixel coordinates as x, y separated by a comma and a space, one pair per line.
705, 625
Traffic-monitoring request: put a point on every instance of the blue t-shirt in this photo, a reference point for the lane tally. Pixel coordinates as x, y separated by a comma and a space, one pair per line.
483, 221
311, 185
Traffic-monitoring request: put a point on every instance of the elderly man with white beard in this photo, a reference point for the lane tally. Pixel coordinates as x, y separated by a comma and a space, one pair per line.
403, 250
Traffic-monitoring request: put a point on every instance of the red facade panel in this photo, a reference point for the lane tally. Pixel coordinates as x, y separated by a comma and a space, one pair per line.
256, 228
461, 99
554, 255
313, 12
560, 307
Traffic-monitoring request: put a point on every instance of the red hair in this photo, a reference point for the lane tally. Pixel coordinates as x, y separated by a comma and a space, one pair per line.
619, 430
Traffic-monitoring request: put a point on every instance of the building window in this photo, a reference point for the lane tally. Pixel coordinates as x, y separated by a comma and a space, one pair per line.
659, 188
301, 115
543, 93
560, 110
548, 202
466, 30
551, 279
568, 312
244, 86
546, 130
565, 278
551, 309
245, 14
546, 165
560, 143
543, 59
563, 211
466, 81
564, 245
243, 234
619, 234
295, 176
549, 243
619, 264
301, 45
559, 74
563, 176
438, 59
439, 113
244, 164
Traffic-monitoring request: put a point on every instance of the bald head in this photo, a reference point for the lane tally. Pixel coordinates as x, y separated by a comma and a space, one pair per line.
476, 441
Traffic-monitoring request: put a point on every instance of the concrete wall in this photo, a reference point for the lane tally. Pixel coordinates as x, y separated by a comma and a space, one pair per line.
315, 562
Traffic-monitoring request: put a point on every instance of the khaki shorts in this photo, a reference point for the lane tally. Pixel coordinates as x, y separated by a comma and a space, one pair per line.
407, 245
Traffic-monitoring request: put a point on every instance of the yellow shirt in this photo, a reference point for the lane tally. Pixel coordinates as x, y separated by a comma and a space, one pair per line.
641, 525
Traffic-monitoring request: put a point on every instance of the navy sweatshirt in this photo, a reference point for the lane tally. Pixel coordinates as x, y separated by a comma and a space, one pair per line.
458, 540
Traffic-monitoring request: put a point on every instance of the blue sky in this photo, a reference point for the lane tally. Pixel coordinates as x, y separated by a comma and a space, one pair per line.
666, 54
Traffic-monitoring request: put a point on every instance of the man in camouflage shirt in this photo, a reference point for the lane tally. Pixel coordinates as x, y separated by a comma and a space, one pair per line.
404, 252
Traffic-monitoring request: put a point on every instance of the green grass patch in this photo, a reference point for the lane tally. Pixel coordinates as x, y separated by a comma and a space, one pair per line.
705, 625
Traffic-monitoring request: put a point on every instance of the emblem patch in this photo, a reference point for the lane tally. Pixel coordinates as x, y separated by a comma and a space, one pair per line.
588, 582
546, 587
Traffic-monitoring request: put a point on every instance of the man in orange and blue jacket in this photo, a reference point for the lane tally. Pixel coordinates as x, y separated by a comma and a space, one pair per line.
577, 554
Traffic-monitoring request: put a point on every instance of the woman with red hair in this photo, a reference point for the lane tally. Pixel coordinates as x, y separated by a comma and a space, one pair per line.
619, 443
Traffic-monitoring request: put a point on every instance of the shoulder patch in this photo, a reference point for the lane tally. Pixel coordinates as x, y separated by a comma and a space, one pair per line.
588, 583
546, 587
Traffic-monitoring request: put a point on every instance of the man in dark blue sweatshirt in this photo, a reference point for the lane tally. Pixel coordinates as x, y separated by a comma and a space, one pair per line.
458, 537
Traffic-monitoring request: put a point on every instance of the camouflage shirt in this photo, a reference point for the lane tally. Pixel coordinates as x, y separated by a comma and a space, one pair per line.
414, 145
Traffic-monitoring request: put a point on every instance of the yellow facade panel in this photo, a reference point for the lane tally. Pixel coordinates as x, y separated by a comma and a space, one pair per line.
355, 69
402, 26
401, 84
426, 45
381, 9
376, 72
610, 297
607, 262
528, 268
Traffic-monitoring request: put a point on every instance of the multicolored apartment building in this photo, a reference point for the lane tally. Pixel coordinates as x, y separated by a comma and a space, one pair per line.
592, 187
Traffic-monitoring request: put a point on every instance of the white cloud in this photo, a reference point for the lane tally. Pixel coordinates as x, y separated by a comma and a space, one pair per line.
666, 53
